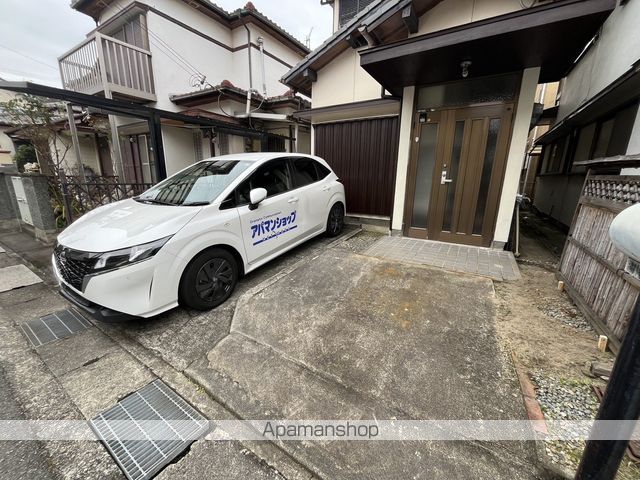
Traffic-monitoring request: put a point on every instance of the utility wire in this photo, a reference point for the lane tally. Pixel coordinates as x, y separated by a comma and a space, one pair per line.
28, 56
168, 50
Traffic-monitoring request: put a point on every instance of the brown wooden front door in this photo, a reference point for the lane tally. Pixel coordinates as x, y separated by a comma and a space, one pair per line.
456, 173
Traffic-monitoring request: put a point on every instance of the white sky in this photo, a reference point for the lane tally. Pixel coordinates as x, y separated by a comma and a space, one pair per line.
34, 33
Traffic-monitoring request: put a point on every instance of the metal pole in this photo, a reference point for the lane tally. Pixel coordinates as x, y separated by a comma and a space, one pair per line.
75, 141
601, 458
115, 140
66, 201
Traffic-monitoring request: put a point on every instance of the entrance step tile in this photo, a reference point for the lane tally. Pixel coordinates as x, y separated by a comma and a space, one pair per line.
497, 264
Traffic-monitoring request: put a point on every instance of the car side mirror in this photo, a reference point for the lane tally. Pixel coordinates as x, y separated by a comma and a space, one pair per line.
256, 196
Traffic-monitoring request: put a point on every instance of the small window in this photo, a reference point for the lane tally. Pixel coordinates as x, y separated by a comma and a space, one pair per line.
322, 171
304, 172
602, 141
273, 177
554, 156
229, 202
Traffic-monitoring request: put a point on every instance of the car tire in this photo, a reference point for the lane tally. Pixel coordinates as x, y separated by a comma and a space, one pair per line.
335, 222
209, 280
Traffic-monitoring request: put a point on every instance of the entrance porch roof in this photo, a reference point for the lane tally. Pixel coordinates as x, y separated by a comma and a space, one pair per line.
551, 36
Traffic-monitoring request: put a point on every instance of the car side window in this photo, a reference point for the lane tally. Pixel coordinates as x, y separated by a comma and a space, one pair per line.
322, 170
273, 177
304, 172
229, 202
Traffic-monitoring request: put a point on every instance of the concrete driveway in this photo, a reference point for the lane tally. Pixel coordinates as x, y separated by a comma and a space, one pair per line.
346, 336
321, 333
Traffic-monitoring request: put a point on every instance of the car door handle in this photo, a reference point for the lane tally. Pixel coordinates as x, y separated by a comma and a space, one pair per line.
326, 188
293, 200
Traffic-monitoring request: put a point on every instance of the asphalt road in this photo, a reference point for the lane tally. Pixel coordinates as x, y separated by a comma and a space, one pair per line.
19, 460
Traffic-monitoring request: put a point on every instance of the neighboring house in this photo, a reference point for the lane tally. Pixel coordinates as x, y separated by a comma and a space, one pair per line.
188, 56
597, 114
423, 107
546, 103
7, 148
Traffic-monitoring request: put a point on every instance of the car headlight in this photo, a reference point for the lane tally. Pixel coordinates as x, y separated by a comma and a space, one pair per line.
127, 256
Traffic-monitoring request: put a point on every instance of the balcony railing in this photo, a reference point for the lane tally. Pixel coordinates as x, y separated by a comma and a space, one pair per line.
103, 64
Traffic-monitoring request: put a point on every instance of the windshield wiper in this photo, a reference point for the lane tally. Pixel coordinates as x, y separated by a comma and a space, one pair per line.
152, 200
194, 204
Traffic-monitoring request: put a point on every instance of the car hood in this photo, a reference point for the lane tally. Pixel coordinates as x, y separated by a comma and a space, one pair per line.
125, 224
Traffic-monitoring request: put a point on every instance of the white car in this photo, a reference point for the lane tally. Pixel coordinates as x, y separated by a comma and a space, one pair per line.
189, 238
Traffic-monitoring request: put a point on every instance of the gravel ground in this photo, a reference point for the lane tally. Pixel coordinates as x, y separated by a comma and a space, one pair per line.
571, 399
564, 312
360, 242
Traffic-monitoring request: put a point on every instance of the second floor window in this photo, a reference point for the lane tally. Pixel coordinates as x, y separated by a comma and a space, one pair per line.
131, 32
350, 8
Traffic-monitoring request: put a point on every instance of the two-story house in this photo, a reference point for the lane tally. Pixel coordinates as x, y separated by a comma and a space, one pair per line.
193, 57
423, 107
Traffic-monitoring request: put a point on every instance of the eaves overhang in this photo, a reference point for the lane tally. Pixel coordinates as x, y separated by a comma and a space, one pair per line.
550, 36
622, 91
382, 20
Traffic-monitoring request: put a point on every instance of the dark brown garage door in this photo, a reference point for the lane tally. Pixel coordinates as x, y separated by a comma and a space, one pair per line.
363, 153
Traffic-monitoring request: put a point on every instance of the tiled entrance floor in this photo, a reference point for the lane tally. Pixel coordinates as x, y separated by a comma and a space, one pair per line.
497, 264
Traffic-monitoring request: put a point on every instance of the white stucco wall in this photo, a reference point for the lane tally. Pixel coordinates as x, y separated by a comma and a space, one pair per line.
170, 78
344, 81
404, 149
88, 152
6, 144
516, 155
6, 148
216, 62
614, 53
178, 148
451, 13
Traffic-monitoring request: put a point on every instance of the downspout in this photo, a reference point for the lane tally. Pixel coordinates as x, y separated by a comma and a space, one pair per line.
264, 81
248, 112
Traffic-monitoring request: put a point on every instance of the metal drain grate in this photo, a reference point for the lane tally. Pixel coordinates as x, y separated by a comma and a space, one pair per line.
53, 327
148, 429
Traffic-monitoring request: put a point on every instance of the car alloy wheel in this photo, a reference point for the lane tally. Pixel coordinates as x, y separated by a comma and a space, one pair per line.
335, 221
209, 279
214, 280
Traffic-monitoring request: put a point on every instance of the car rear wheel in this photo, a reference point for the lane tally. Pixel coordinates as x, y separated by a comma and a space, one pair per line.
335, 222
209, 279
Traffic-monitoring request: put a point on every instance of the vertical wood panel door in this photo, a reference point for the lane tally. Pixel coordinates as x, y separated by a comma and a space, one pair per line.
363, 153
456, 173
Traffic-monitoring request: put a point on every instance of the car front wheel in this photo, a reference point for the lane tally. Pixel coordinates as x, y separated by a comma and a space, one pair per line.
209, 279
335, 222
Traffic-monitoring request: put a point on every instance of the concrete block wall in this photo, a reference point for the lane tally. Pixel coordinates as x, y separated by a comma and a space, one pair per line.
8, 204
36, 190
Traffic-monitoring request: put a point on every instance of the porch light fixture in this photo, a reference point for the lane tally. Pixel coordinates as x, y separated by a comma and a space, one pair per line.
465, 68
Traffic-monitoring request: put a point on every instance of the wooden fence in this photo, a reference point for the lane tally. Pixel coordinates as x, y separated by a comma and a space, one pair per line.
591, 267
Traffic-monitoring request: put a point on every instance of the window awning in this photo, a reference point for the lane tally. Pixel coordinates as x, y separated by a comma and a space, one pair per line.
551, 36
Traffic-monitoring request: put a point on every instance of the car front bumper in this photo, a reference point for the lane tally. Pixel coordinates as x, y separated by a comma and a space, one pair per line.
98, 312
130, 292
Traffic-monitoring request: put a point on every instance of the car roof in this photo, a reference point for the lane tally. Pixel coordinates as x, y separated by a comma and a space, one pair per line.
259, 156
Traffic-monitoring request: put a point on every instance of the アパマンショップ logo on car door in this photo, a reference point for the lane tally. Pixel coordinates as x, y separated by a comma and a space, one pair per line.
272, 226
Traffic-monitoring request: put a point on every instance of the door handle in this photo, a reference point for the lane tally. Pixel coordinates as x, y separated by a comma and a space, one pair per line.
326, 188
444, 179
293, 200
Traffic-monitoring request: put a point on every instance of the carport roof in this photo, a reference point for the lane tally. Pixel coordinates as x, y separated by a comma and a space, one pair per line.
550, 36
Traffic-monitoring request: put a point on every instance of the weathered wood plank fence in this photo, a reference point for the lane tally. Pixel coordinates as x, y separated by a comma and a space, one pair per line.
591, 267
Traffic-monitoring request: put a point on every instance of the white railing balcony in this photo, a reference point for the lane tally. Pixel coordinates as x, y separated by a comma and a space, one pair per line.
105, 65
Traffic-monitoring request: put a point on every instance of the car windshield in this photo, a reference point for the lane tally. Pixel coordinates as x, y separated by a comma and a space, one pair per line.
199, 184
